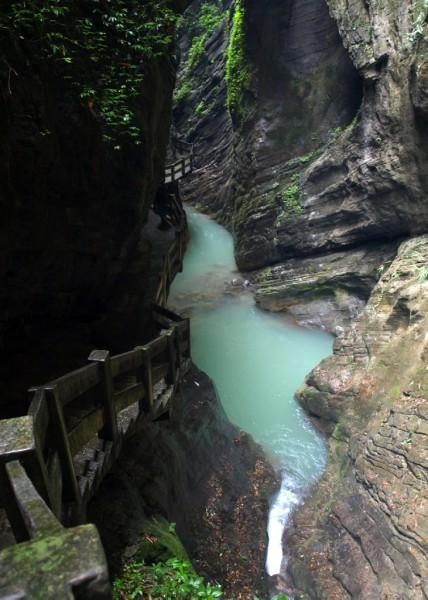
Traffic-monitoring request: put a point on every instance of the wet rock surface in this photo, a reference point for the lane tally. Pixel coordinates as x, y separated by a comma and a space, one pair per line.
363, 533
202, 473
325, 291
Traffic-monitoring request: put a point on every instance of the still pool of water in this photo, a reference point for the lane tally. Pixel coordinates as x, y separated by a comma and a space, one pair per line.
257, 360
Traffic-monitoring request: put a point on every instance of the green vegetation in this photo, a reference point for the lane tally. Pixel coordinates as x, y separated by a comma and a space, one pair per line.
209, 19
201, 107
237, 70
182, 91
99, 48
172, 579
335, 133
305, 158
291, 196
161, 570
419, 13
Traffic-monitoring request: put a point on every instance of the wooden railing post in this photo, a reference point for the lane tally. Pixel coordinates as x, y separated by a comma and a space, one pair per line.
71, 489
10, 505
171, 377
35, 464
144, 376
110, 431
38, 518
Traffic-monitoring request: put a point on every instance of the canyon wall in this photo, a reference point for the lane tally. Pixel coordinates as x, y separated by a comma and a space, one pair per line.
326, 156
363, 533
322, 178
74, 256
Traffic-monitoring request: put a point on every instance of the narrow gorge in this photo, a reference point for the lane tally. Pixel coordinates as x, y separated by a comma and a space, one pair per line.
258, 427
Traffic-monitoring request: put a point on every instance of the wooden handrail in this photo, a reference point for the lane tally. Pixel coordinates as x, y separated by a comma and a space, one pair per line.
181, 167
43, 454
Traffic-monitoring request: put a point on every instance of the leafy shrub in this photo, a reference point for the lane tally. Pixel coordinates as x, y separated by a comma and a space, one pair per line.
161, 569
291, 199
210, 17
98, 47
162, 581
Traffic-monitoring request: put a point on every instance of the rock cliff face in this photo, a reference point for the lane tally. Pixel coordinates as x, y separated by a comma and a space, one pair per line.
203, 474
74, 258
329, 155
329, 177
363, 533
202, 117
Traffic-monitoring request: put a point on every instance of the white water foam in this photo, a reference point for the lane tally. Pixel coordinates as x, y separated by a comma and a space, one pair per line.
286, 500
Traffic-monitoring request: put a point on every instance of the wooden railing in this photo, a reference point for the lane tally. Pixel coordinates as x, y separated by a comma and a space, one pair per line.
53, 459
183, 165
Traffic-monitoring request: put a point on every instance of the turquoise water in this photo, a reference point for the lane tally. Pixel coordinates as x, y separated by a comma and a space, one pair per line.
257, 360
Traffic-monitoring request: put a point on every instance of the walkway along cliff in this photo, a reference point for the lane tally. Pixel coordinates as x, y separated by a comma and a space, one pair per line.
131, 431
53, 460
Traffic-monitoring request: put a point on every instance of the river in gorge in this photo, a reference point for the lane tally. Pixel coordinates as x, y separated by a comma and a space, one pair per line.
257, 361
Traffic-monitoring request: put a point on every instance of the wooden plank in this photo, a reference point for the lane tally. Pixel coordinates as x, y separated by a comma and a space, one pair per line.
84, 431
36, 468
16, 438
55, 478
163, 322
10, 504
172, 353
124, 363
60, 439
38, 519
182, 328
156, 346
36, 465
130, 395
159, 372
69, 564
74, 384
184, 348
145, 378
38, 410
102, 359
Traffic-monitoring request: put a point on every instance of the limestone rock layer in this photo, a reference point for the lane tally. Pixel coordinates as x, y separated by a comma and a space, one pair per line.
321, 175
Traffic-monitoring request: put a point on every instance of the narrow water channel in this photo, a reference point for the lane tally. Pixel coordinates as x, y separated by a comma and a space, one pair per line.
257, 361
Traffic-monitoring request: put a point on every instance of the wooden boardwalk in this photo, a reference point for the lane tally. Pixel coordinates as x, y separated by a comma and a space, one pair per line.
53, 459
